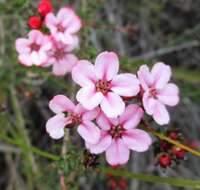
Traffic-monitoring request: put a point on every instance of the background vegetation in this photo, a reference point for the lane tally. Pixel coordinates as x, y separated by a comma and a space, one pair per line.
140, 31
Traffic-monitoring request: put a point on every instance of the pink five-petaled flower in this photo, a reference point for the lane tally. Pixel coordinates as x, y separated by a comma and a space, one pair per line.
77, 115
118, 135
101, 85
63, 26
157, 91
60, 57
33, 51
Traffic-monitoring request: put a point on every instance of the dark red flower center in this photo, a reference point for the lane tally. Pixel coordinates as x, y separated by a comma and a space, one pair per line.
60, 28
76, 119
116, 131
59, 54
103, 86
35, 47
153, 92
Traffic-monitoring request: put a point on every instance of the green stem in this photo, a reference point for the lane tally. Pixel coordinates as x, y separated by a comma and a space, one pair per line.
28, 149
169, 140
143, 177
153, 179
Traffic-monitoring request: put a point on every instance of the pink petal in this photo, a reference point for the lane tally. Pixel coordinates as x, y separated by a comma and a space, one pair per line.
55, 126
35, 36
50, 20
104, 142
137, 140
91, 115
145, 77
65, 65
61, 103
112, 105
161, 74
89, 132
149, 103
38, 58
161, 115
25, 60
125, 85
64, 14
106, 65
73, 45
132, 116
83, 73
169, 95
22, 45
117, 153
89, 98
103, 122
71, 21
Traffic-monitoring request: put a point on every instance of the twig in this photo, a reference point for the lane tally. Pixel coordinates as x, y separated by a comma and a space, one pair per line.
167, 50
169, 140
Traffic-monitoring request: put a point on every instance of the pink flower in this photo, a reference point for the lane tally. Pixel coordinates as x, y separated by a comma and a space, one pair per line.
119, 135
63, 26
157, 91
77, 115
102, 86
60, 57
33, 51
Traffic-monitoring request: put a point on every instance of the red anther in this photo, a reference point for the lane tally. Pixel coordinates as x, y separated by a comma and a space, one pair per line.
165, 160
45, 7
35, 22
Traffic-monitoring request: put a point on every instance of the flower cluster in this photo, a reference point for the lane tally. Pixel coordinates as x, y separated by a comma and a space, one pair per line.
54, 48
103, 119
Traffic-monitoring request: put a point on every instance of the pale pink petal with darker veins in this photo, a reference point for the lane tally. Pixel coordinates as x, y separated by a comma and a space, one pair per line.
161, 74
55, 126
125, 85
169, 95
137, 140
144, 75
89, 132
131, 117
117, 153
91, 114
89, 98
22, 45
106, 65
161, 115
65, 65
84, 74
61, 103
102, 145
149, 103
112, 105
103, 122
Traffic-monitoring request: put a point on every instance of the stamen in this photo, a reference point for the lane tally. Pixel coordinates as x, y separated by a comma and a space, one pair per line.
103, 86
34, 47
116, 131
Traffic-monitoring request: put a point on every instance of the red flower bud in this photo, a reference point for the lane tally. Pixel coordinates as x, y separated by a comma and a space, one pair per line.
35, 22
45, 7
122, 183
165, 160
173, 135
178, 152
113, 184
